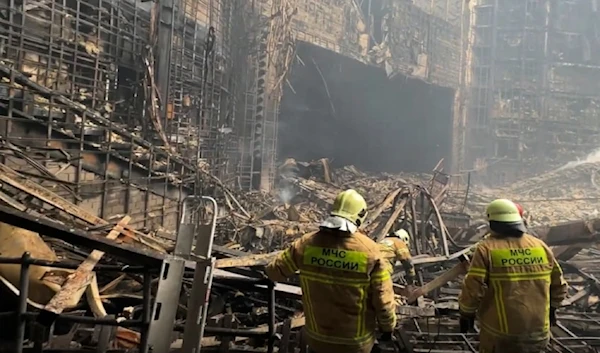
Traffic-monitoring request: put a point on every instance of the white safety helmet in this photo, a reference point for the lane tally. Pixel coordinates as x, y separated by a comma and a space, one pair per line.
403, 235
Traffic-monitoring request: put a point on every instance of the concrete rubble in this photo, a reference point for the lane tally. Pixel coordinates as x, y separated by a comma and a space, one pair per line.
251, 230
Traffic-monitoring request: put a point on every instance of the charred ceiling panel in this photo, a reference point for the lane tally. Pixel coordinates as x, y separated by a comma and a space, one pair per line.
352, 113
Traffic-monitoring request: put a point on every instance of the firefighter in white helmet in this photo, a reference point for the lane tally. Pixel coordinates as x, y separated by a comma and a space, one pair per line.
396, 247
347, 291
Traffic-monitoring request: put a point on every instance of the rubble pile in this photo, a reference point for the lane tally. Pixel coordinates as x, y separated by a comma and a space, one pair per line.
556, 193
579, 181
83, 288
566, 194
304, 194
305, 191
252, 227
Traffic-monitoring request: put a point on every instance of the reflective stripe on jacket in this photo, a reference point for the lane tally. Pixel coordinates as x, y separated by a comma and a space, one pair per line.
394, 249
346, 289
511, 283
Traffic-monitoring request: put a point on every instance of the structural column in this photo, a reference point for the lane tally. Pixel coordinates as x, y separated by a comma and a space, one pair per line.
166, 19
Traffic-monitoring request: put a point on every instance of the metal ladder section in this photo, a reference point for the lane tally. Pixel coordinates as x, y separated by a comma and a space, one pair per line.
247, 148
165, 306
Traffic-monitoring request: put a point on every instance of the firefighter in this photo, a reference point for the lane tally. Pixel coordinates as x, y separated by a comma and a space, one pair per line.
521, 212
395, 247
347, 290
524, 286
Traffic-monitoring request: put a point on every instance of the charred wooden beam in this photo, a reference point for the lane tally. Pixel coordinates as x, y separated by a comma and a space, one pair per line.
247, 261
458, 269
78, 281
126, 252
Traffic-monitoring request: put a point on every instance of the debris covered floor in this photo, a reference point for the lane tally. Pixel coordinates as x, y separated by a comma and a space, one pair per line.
109, 283
112, 113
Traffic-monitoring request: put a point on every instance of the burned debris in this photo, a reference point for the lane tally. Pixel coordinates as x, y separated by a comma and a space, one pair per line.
74, 284
117, 116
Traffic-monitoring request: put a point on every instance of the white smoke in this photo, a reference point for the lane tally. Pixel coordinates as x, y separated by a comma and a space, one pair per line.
286, 194
593, 157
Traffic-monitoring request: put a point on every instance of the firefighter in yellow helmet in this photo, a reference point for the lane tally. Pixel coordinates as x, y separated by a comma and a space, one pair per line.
514, 285
395, 247
347, 290
521, 213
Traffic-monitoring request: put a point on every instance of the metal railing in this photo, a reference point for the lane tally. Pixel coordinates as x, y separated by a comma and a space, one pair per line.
158, 315
249, 284
22, 316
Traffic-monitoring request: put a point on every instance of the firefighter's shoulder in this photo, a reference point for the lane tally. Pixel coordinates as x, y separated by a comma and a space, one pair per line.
535, 241
484, 241
532, 240
309, 236
387, 242
361, 242
304, 240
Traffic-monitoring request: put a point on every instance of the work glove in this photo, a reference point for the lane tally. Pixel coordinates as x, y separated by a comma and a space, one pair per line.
552, 316
386, 337
467, 323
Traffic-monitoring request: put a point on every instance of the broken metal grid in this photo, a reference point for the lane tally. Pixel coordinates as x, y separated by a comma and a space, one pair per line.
254, 100
95, 55
42, 320
440, 342
539, 102
199, 54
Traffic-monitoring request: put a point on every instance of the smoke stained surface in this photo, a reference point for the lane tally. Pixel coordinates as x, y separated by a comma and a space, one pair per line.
373, 122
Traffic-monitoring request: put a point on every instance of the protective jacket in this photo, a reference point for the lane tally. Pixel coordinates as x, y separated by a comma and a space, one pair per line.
511, 284
346, 289
474, 246
394, 249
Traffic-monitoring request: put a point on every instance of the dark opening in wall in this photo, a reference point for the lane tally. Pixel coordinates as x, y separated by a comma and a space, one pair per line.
373, 122
374, 11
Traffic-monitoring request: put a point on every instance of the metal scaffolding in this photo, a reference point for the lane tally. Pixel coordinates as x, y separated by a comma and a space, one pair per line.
123, 104
268, 61
534, 93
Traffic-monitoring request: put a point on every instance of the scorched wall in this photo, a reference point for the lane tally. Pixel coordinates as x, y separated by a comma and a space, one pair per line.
128, 111
535, 81
95, 106
354, 114
385, 112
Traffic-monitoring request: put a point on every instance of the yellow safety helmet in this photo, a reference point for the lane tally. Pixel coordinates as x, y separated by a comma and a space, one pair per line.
403, 235
503, 211
350, 205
